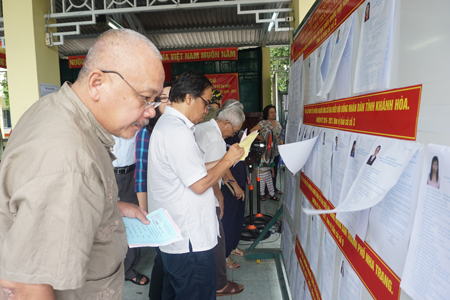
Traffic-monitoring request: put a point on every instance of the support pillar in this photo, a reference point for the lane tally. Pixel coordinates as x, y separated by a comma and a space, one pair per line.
29, 61
266, 83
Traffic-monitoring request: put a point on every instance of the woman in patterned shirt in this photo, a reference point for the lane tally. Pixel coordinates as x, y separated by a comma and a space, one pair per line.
269, 122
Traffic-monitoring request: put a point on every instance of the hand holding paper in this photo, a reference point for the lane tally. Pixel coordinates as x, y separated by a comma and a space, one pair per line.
247, 142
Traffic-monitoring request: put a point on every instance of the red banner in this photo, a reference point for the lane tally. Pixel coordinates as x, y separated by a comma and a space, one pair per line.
307, 272
323, 22
392, 113
2, 57
200, 55
76, 61
379, 279
227, 84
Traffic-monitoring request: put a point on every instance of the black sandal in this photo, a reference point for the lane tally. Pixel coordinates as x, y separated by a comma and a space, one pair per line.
138, 279
274, 198
263, 198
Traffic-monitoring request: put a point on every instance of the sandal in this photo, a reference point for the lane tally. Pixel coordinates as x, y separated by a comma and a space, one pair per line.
263, 198
274, 198
279, 192
231, 264
138, 279
232, 288
238, 252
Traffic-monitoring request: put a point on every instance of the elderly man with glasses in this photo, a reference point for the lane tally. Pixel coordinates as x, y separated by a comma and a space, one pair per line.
210, 139
61, 230
180, 182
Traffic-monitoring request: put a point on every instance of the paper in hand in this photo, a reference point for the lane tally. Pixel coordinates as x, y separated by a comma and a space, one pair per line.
247, 142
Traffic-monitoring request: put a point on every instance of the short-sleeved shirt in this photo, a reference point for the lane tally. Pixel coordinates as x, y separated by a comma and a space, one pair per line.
59, 221
175, 162
266, 125
124, 151
210, 141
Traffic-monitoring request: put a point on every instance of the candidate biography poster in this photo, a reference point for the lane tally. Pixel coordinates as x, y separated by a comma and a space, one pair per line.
286, 245
350, 286
426, 275
323, 65
295, 101
340, 155
312, 63
327, 263
328, 140
290, 193
314, 243
373, 45
304, 222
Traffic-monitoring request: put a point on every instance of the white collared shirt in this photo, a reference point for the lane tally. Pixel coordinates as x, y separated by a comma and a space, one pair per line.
125, 151
175, 162
210, 141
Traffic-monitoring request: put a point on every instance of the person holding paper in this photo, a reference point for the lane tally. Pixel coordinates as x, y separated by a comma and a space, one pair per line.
62, 233
269, 122
180, 182
140, 187
433, 179
210, 139
374, 156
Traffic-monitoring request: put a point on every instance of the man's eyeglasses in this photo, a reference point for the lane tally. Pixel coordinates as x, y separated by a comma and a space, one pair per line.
162, 99
147, 104
206, 102
234, 132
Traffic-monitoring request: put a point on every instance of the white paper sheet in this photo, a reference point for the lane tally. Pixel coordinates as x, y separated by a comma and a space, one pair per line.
327, 153
391, 220
426, 275
295, 155
300, 285
304, 222
293, 274
363, 144
295, 101
350, 286
312, 64
314, 243
340, 155
377, 176
323, 63
289, 199
327, 266
373, 44
343, 77
316, 158
286, 245
340, 42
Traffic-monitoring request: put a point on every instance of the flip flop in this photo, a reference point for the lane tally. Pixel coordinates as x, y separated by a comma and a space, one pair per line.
232, 288
138, 279
231, 264
238, 252
274, 198
279, 192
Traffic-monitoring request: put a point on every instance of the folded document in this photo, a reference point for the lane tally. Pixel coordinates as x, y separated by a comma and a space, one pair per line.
161, 231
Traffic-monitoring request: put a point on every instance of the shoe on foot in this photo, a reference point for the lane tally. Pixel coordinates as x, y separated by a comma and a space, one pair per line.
231, 264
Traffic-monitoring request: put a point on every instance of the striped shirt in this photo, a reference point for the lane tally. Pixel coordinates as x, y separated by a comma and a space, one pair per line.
140, 172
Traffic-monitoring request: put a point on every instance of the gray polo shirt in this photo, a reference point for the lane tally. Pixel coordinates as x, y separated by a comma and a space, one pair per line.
59, 221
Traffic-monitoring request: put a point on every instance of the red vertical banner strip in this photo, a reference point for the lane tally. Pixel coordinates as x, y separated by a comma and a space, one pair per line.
76, 61
393, 113
227, 84
381, 282
307, 272
323, 22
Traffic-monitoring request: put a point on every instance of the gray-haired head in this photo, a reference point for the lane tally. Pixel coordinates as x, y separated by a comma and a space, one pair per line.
114, 48
232, 113
232, 102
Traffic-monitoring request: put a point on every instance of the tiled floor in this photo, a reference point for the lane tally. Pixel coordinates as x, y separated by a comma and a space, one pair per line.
260, 280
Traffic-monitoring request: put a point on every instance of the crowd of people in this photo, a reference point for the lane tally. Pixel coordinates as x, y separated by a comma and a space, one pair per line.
62, 201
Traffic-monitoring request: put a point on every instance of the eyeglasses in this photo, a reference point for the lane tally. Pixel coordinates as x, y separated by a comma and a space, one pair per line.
147, 104
234, 132
206, 102
162, 99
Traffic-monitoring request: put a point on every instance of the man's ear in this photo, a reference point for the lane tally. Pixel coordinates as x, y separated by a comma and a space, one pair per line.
189, 99
95, 80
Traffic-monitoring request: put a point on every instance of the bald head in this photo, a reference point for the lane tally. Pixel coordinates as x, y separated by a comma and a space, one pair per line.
115, 48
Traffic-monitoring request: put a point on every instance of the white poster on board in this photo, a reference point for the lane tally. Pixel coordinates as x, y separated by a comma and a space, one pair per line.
373, 42
314, 243
327, 266
426, 275
300, 285
304, 222
323, 65
350, 286
343, 77
340, 43
295, 103
289, 199
340, 156
45, 89
312, 63
328, 144
391, 220
286, 245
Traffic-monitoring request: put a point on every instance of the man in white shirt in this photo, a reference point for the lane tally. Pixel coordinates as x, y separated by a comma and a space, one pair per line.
210, 139
180, 182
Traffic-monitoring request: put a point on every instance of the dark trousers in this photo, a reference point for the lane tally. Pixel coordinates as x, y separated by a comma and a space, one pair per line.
157, 279
233, 219
125, 183
189, 276
219, 257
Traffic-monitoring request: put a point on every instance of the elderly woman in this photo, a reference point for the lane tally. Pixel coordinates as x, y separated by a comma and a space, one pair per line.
269, 122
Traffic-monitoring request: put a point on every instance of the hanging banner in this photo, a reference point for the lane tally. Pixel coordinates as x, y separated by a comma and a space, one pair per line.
76, 61
307, 272
227, 84
392, 113
379, 279
328, 16
2, 57
230, 53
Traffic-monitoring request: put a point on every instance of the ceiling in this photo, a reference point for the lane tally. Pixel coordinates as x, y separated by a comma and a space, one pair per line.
172, 24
